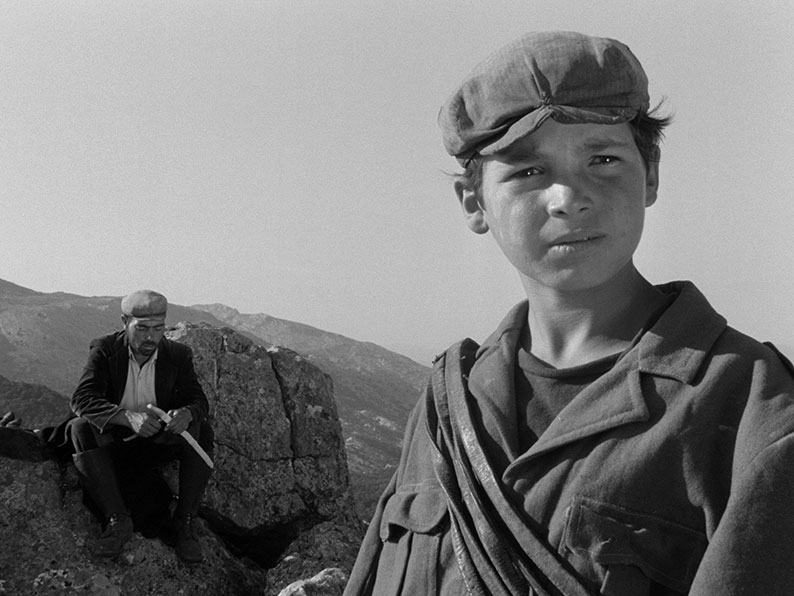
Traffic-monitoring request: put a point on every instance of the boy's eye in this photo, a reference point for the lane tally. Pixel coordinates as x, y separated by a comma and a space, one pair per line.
528, 172
605, 159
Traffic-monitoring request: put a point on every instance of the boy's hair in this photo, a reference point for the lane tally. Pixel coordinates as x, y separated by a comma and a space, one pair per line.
646, 128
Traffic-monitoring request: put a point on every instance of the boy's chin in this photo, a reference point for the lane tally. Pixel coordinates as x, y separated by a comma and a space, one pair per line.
573, 282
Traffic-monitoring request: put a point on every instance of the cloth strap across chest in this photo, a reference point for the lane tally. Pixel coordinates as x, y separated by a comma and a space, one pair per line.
497, 552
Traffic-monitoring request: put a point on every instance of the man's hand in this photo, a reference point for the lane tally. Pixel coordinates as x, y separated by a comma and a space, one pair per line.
180, 420
143, 424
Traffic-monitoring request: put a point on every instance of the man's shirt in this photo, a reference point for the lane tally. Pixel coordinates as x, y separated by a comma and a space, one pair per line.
139, 389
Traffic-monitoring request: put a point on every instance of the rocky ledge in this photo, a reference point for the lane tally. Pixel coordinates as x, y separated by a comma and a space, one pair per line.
277, 517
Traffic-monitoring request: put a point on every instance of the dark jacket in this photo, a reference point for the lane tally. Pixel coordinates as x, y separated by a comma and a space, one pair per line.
101, 388
671, 474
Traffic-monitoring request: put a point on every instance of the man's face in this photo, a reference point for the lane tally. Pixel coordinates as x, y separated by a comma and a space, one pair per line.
144, 335
566, 204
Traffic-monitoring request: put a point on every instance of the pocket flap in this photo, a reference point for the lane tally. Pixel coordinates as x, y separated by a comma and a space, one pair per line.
667, 552
420, 511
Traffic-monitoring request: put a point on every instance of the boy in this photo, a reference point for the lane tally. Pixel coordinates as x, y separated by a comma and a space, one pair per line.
610, 437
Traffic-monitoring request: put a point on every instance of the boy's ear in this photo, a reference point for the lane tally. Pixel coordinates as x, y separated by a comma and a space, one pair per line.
472, 209
652, 178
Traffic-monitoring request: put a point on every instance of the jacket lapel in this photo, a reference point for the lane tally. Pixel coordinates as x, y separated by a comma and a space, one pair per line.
611, 401
163, 373
119, 365
678, 344
615, 399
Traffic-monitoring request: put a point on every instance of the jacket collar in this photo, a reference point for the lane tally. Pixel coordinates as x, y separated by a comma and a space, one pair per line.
675, 347
678, 343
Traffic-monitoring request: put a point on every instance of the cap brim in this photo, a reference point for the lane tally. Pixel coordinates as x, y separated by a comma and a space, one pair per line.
563, 114
158, 317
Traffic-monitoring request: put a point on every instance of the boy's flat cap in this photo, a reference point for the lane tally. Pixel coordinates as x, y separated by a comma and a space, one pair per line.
567, 76
144, 304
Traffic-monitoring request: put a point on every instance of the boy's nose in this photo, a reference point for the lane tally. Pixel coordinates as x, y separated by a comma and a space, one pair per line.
564, 200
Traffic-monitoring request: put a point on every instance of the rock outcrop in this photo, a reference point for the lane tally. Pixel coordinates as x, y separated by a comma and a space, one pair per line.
46, 532
277, 511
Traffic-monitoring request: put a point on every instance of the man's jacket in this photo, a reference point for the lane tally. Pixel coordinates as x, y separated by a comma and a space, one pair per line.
671, 474
101, 387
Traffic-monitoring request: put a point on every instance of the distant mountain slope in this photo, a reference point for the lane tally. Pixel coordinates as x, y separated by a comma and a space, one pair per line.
9, 289
44, 340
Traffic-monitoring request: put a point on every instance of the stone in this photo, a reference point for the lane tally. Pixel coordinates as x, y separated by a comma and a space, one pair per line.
329, 582
326, 546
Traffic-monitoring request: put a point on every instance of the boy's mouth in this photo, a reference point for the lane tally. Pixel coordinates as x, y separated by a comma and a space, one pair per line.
576, 238
574, 241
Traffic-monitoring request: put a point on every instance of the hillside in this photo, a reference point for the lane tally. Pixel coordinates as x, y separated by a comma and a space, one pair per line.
44, 340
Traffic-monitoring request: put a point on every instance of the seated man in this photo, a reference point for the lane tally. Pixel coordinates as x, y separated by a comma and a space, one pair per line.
115, 431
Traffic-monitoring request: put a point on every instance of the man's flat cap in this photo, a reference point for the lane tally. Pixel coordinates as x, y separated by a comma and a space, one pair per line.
144, 304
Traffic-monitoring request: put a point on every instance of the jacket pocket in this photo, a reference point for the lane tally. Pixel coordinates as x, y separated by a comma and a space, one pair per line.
631, 553
416, 544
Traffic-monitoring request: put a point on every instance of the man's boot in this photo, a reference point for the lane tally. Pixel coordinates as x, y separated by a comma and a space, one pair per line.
194, 475
98, 478
118, 530
187, 545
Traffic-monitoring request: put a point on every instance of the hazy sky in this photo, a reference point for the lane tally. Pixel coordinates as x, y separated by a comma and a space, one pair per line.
283, 156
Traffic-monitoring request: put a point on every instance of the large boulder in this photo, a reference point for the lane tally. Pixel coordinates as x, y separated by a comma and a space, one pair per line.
279, 497
279, 451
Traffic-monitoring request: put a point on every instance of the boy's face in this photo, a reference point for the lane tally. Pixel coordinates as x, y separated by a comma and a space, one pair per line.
566, 204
